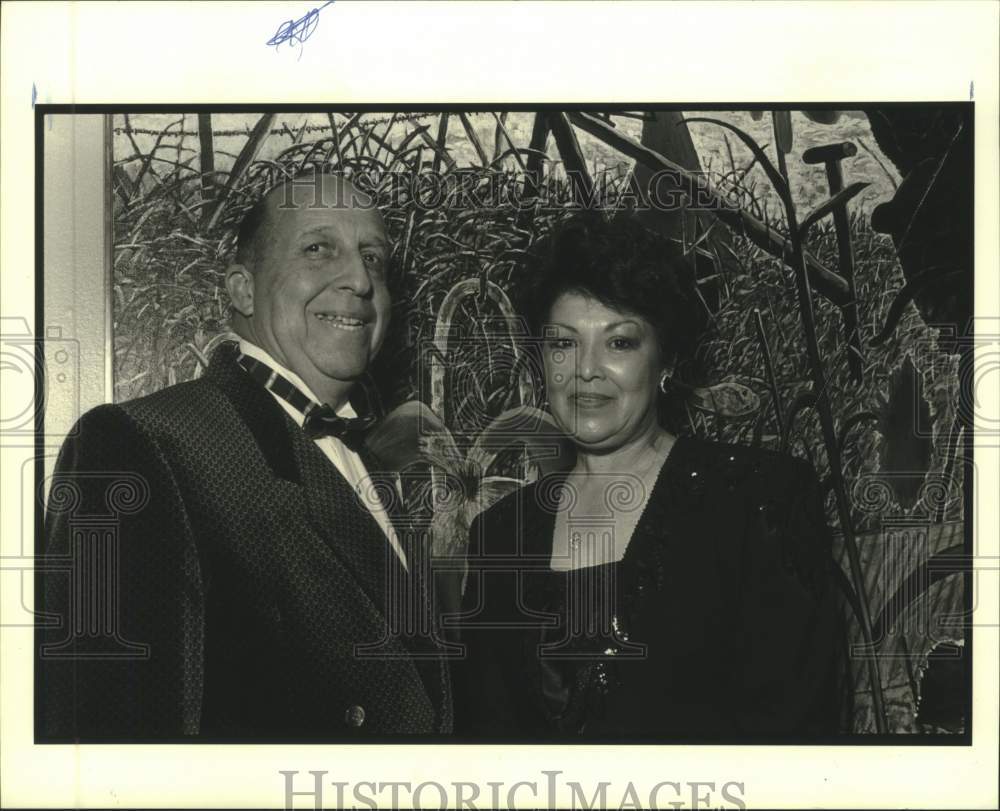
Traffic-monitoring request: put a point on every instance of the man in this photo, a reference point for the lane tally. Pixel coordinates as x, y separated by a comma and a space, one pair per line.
252, 582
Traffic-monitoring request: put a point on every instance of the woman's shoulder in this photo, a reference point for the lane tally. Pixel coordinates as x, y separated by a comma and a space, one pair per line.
707, 465
772, 494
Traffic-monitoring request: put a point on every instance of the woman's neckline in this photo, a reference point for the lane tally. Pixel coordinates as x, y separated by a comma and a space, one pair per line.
649, 502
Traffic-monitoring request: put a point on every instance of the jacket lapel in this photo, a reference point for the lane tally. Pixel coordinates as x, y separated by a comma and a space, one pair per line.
333, 508
538, 504
384, 487
343, 520
262, 416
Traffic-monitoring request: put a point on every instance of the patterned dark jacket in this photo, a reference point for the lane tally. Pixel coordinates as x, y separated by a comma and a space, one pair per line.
210, 573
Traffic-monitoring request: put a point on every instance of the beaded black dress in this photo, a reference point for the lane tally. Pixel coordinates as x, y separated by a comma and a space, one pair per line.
718, 624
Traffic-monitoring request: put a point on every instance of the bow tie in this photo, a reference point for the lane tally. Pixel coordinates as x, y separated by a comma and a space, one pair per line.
319, 419
323, 421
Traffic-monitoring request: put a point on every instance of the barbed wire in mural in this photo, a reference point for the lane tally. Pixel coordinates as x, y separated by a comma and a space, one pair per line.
307, 129
369, 122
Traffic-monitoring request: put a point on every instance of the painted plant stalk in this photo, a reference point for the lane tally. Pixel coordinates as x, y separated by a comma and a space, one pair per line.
820, 391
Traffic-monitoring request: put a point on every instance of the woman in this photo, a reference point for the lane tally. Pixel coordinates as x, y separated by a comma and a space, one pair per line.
666, 587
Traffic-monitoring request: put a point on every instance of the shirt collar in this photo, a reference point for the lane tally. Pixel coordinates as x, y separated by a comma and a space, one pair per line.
254, 351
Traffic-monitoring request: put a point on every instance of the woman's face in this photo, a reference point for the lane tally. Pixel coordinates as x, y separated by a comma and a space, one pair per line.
602, 372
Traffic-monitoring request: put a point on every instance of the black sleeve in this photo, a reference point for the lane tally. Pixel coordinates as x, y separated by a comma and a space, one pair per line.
120, 592
484, 706
789, 620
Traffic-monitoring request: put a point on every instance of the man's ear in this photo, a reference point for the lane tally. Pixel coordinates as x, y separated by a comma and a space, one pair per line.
239, 285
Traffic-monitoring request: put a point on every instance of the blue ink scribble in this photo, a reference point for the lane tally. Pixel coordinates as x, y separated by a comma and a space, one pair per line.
34, 98
298, 31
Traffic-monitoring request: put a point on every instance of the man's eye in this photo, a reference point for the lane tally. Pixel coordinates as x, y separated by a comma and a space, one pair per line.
315, 247
371, 259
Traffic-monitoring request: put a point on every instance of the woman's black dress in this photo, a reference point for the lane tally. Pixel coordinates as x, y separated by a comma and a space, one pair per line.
718, 624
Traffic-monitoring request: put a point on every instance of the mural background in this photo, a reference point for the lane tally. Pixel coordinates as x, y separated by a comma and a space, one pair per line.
892, 388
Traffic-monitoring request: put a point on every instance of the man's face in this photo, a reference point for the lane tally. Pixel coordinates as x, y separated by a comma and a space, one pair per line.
320, 302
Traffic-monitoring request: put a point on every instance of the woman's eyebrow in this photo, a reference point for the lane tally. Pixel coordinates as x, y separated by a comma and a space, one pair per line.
622, 323
607, 327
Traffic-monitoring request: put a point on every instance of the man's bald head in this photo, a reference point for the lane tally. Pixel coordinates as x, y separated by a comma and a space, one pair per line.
310, 189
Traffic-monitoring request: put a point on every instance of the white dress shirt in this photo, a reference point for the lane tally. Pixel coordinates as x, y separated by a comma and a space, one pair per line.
344, 459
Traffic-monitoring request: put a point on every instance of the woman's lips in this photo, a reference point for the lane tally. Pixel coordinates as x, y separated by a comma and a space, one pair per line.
590, 400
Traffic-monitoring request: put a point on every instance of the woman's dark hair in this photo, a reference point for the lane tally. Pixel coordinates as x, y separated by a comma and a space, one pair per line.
625, 266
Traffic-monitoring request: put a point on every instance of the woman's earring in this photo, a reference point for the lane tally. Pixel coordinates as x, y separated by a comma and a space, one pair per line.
664, 381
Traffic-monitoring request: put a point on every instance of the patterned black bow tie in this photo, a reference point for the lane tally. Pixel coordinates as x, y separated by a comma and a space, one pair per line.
319, 419
323, 421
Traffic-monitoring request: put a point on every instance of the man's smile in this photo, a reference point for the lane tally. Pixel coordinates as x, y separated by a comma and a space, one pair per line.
344, 322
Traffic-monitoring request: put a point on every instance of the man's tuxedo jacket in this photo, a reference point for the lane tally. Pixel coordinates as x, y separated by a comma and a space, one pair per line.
209, 573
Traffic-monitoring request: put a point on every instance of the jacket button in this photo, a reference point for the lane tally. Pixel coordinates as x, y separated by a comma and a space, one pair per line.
355, 715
